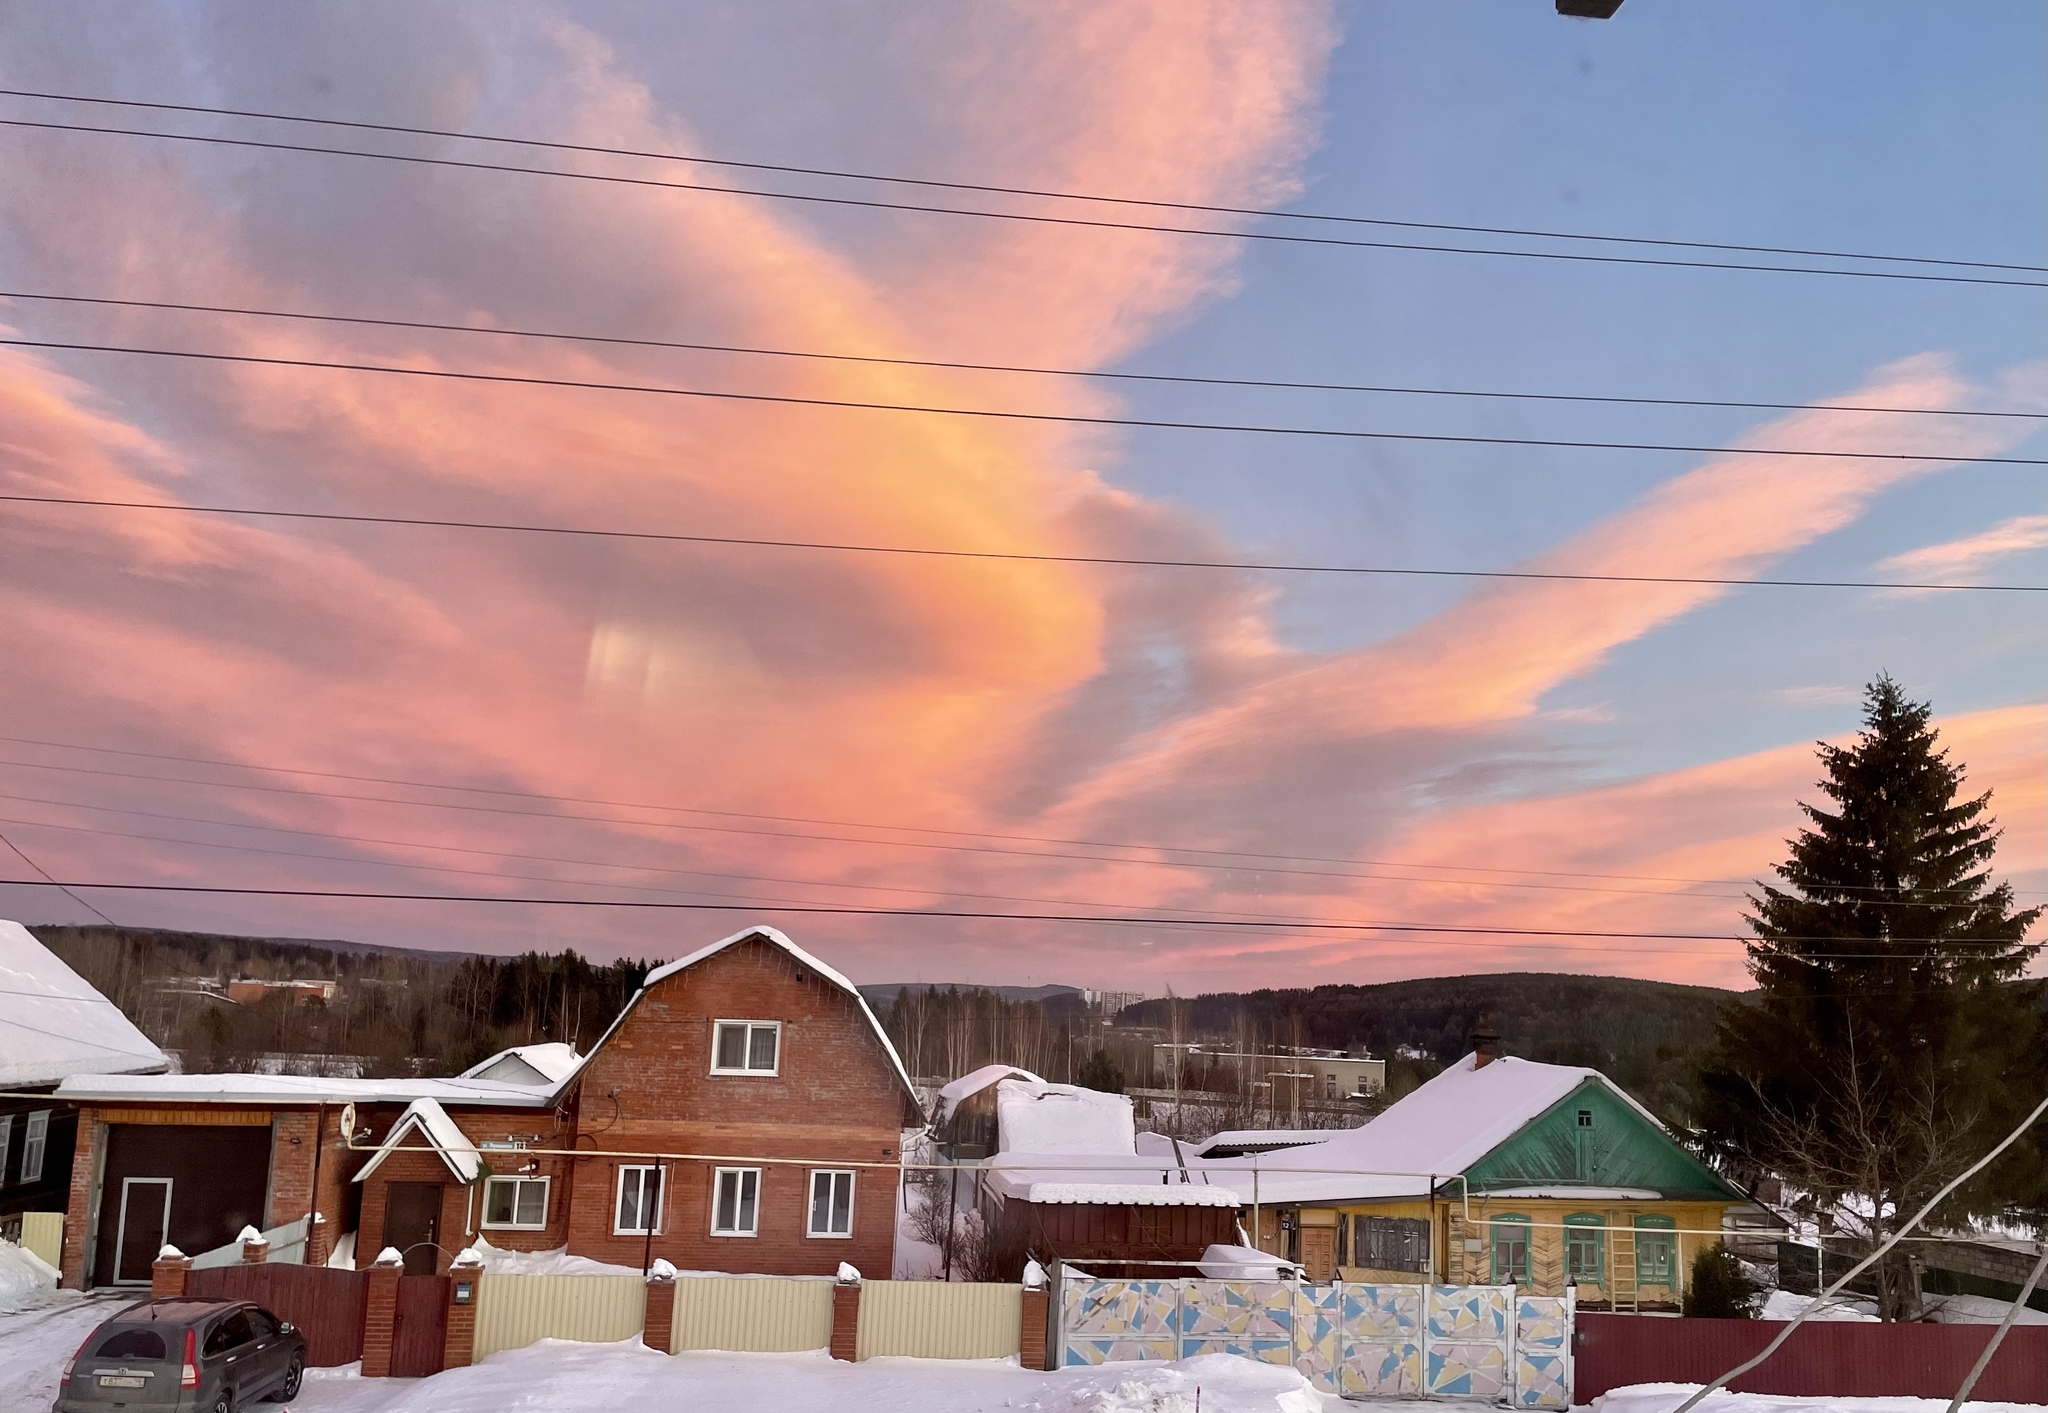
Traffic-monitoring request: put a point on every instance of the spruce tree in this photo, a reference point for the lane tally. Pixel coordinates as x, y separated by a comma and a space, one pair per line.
1889, 1042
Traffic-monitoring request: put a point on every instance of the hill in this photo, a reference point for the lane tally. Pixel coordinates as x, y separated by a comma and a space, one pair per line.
1647, 1036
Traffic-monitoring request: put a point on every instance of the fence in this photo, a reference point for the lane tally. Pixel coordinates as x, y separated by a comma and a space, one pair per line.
287, 1248
326, 1304
1840, 1359
1358, 1341
751, 1314
515, 1311
938, 1320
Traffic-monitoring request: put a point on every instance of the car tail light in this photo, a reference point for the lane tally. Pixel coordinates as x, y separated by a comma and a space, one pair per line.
76, 1355
189, 1376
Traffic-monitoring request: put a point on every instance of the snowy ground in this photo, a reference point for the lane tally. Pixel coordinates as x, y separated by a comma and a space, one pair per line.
35, 1343
1662, 1398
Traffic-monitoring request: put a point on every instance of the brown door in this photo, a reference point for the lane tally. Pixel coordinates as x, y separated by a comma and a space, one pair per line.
1319, 1252
412, 1223
419, 1326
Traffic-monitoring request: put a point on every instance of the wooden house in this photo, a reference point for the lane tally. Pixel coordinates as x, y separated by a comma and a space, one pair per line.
1498, 1170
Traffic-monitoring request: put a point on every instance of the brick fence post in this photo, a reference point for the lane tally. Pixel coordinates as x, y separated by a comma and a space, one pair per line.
845, 1318
658, 1326
380, 1311
167, 1275
465, 1288
1034, 1335
319, 1241
255, 1250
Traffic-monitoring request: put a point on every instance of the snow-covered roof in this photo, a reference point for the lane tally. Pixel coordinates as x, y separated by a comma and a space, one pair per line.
1264, 1139
1442, 1128
1039, 1124
274, 1089
548, 1063
777, 939
1033, 1116
1130, 1194
431, 1122
953, 1095
53, 1025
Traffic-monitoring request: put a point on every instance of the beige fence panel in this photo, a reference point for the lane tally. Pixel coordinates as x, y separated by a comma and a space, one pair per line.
515, 1311
752, 1314
939, 1320
43, 1233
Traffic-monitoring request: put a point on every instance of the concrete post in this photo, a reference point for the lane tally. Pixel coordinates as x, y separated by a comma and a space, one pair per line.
380, 1313
167, 1274
658, 1327
465, 1289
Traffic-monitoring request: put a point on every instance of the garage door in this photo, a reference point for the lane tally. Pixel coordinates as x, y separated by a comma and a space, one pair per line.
195, 1187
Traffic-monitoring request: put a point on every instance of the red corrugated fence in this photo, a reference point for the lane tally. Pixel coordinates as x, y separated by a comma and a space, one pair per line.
1843, 1359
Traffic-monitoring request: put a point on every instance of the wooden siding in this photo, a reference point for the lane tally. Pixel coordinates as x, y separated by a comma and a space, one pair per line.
1620, 1148
1099, 1233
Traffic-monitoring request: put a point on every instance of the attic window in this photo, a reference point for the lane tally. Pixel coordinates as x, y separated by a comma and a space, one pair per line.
746, 1047
1585, 1118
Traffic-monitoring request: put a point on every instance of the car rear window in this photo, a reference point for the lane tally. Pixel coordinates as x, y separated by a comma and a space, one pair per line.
133, 1342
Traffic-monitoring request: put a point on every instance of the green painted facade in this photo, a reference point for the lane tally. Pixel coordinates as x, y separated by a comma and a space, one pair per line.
1593, 1138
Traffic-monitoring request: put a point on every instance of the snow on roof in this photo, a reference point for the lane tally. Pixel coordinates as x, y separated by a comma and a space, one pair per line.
53, 1025
275, 1089
1265, 1138
1443, 1128
431, 1121
1131, 1194
775, 938
548, 1063
1033, 1116
953, 1095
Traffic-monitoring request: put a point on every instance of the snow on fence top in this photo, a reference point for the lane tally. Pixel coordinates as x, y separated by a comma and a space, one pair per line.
53, 1025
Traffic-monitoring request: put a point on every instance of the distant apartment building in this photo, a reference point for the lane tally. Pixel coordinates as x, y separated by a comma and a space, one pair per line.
245, 990
1293, 1074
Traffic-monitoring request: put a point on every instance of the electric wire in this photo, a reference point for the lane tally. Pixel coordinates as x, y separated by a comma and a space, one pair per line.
1029, 218
1113, 561
1196, 380
1009, 415
987, 188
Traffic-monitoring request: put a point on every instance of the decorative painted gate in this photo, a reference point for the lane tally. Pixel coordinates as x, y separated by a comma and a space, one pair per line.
1361, 1341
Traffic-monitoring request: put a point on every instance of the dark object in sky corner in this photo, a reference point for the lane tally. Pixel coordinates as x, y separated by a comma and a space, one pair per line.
1588, 9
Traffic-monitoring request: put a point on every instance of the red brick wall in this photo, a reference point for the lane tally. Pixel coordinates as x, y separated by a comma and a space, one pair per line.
78, 1212
462, 1210
835, 1099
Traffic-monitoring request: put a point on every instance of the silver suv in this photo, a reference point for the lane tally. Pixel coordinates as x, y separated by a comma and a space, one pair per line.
184, 1356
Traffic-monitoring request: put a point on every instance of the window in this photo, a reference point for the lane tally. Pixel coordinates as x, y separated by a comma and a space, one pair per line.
746, 1047
1585, 1247
6, 1132
1329, 1086
831, 1202
231, 1333
1392, 1244
34, 1139
1656, 1250
638, 1210
736, 1202
1585, 1118
132, 1343
261, 1326
1511, 1249
518, 1203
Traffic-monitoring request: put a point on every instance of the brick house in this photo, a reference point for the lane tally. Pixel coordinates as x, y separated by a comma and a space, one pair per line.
743, 1113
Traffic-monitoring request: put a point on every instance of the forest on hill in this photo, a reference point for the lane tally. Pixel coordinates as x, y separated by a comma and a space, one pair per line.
1647, 1036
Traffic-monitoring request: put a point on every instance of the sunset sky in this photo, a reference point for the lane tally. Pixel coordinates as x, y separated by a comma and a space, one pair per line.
247, 703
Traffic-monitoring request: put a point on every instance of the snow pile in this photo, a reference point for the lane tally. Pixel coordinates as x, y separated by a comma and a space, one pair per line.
26, 1279
1245, 1263
1662, 1398
1977, 1310
53, 1025
1784, 1305
500, 1262
959, 1091
1035, 1117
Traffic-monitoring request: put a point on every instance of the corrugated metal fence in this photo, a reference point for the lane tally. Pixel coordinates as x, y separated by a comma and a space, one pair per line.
1840, 1359
515, 1311
752, 1314
935, 1320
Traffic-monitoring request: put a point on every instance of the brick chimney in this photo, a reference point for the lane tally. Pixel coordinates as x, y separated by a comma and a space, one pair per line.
1485, 1046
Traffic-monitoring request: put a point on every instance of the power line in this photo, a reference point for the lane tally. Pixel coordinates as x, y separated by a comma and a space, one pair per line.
1066, 418
1033, 219
1122, 561
935, 363
1264, 213
961, 914
15, 849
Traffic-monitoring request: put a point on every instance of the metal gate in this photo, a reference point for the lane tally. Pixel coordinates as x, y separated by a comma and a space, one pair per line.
1360, 1341
324, 1303
419, 1326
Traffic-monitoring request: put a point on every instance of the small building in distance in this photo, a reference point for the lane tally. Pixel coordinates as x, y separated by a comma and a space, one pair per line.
248, 990
1289, 1076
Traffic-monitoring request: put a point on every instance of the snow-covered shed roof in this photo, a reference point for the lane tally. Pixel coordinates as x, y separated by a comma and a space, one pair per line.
1235, 1141
547, 1063
1062, 1143
431, 1122
53, 1025
288, 1089
1443, 1128
953, 1095
774, 938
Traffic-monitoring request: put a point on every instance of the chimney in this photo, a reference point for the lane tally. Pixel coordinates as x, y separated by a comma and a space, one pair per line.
1485, 1046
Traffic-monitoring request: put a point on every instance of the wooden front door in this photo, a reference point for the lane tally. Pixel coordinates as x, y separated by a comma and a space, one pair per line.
419, 1326
1319, 1252
412, 1223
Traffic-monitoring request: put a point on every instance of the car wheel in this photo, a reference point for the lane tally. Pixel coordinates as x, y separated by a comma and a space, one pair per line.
225, 1403
293, 1377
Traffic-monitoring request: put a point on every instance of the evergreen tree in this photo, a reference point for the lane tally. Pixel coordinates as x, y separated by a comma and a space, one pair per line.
1889, 1042
1099, 1071
1719, 1288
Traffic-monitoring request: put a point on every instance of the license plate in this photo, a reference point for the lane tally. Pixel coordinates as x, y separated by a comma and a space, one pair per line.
120, 1381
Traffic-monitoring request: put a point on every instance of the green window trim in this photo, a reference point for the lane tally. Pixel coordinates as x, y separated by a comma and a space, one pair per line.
1585, 1247
1656, 1251
1509, 1245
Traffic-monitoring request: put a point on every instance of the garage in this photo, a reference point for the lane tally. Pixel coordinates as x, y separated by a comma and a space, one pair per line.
194, 1186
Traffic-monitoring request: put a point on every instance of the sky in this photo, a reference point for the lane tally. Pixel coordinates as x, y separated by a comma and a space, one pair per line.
1495, 774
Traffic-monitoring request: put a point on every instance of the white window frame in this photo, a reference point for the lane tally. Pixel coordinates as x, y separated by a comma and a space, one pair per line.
619, 1197
6, 1138
718, 1026
35, 1142
516, 1179
811, 1203
718, 1176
